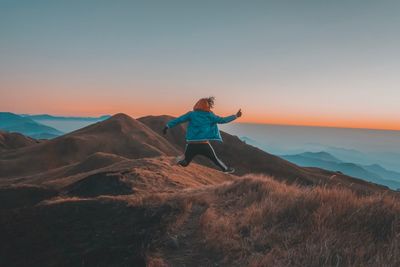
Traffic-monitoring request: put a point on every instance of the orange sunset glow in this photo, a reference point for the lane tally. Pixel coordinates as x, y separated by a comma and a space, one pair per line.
141, 65
81, 108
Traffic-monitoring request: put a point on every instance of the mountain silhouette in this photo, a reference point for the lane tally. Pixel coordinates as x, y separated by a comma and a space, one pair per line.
120, 135
324, 160
65, 124
15, 140
47, 117
11, 122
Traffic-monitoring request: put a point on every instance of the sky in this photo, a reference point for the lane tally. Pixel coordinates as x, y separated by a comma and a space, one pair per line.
299, 62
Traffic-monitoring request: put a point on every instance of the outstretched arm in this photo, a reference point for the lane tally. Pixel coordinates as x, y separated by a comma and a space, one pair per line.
179, 120
227, 119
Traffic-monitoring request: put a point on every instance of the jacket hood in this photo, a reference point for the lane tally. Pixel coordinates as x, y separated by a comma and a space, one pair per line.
202, 105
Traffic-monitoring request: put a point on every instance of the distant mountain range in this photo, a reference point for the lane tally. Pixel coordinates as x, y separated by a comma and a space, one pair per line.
65, 124
11, 122
373, 173
44, 126
41, 117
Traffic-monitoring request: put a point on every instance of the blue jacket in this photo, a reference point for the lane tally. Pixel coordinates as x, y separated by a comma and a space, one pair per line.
202, 125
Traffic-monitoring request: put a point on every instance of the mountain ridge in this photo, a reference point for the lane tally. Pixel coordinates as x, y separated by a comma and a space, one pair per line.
120, 135
11, 122
53, 117
373, 173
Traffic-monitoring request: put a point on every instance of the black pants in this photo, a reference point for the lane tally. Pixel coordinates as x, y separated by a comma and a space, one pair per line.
204, 149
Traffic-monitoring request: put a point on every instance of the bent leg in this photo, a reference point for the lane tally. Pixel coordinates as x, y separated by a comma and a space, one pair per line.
209, 152
190, 152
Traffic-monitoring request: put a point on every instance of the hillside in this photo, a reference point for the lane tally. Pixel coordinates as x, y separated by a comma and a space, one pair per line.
120, 135
109, 195
250, 221
14, 141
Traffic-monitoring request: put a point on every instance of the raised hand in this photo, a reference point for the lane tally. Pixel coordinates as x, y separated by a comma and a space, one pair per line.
239, 113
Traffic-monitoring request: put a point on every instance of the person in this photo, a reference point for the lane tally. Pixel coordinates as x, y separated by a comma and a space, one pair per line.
202, 129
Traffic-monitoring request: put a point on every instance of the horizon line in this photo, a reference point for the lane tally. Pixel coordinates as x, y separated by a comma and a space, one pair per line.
242, 122
321, 126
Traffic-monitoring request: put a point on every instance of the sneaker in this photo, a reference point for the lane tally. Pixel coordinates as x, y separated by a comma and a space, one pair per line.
229, 170
178, 159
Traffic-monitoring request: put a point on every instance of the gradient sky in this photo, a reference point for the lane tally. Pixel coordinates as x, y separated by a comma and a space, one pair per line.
331, 63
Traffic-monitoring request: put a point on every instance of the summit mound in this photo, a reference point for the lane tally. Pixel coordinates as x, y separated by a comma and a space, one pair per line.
120, 135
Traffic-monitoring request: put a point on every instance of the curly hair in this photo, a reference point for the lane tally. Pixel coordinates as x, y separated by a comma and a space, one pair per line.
211, 101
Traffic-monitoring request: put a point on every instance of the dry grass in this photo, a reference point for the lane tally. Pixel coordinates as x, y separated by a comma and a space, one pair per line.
256, 221
251, 221
156, 262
